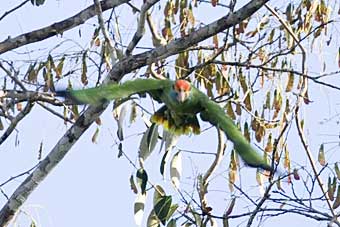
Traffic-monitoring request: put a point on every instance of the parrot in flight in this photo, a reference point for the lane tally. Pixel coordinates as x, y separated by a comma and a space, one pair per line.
182, 102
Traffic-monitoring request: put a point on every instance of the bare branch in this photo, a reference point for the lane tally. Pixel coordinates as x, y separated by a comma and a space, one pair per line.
17, 176
12, 10
121, 68
141, 25
56, 28
133, 62
102, 25
315, 79
311, 160
32, 96
55, 113
14, 78
218, 157
157, 40
15, 121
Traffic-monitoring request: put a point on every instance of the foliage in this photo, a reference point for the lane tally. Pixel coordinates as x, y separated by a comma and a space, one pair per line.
255, 63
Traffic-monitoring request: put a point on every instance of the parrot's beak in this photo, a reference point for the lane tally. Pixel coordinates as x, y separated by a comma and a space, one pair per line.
182, 96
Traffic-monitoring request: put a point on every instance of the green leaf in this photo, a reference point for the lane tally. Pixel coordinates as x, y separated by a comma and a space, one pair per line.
158, 194
176, 169
37, 2
119, 114
246, 132
139, 208
162, 208
142, 179
133, 185
120, 150
163, 162
330, 191
153, 221
148, 142
75, 112
336, 203
172, 223
170, 140
337, 171
33, 224
172, 210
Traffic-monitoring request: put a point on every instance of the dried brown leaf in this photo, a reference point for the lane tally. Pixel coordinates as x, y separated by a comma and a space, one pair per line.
230, 111
321, 155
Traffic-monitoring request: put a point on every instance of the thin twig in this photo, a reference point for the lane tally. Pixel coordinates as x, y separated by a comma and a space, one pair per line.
315, 79
15, 121
218, 157
55, 113
102, 26
203, 184
141, 26
17, 176
56, 28
157, 40
12, 10
14, 78
311, 160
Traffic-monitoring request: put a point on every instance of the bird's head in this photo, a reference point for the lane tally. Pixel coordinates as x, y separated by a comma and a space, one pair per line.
182, 89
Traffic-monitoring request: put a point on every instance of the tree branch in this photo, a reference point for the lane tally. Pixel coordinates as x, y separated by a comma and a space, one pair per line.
32, 96
315, 79
15, 121
141, 26
101, 22
56, 28
133, 62
126, 65
12, 10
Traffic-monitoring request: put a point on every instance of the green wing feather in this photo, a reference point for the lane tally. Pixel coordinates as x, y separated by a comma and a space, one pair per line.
210, 111
214, 114
115, 91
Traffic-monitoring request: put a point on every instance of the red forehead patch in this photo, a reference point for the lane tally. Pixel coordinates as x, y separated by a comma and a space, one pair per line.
182, 85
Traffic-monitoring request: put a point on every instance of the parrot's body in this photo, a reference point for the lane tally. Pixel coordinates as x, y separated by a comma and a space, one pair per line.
182, 102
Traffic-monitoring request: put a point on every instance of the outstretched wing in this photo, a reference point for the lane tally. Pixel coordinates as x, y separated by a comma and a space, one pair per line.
115, 91
214, 114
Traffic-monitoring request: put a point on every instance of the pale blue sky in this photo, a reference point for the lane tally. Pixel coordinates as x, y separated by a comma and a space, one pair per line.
90, 187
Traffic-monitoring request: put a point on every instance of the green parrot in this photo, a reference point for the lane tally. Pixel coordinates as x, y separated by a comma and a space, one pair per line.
182, 102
